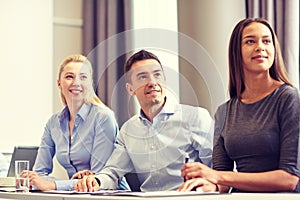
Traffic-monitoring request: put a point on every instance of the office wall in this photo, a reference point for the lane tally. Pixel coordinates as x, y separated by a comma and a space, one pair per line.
154, 33
209, 23
67, 36
26, 71
36, 35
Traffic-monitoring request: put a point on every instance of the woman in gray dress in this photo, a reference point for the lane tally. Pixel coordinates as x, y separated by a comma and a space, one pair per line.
258, 128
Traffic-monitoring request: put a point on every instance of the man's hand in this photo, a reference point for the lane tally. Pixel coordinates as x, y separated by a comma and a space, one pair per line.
82, 173
87, 184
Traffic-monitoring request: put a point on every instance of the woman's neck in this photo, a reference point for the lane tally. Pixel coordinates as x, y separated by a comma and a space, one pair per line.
257, 88
74, 107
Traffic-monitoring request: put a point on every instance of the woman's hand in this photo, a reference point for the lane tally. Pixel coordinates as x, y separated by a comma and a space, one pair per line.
198, 184
81, 174
36, 180
198, 170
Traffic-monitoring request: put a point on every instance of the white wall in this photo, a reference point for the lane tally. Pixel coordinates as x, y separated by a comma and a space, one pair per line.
26, 80
155, 29
200, 78
209, 24
67, 36
33, 43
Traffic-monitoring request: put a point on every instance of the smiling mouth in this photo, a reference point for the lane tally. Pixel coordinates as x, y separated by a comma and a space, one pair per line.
152, 91
259, 56
75, 91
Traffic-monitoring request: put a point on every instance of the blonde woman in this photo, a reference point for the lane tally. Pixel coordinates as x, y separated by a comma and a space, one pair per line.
82, 135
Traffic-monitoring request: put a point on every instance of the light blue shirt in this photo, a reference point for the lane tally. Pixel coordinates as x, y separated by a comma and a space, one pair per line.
4, 165
90, 146
156, 151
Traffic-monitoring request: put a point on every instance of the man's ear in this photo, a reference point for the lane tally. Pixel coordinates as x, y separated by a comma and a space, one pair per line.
130, 89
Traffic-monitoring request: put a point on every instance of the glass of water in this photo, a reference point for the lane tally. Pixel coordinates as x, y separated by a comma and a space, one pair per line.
22, 175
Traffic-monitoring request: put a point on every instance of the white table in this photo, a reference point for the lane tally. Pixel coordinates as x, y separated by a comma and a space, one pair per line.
234, 196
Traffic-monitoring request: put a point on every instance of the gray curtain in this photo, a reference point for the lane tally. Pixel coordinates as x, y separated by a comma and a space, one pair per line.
104, 21
284, 17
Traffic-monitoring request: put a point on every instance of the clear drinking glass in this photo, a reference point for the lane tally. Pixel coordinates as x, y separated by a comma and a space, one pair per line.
22, 175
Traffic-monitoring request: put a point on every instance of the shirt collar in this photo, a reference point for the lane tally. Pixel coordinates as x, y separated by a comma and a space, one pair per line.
83, 112
168, 109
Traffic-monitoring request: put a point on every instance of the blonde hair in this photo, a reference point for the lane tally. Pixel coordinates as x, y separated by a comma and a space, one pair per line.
90, 96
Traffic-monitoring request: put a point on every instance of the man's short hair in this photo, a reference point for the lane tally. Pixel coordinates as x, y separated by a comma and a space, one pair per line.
141, 55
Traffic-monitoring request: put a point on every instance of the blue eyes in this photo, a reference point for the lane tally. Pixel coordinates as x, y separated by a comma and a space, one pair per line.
144, 76
157, 74
83, 77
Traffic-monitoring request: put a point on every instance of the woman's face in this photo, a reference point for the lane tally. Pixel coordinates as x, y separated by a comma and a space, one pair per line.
75, 81
257, 48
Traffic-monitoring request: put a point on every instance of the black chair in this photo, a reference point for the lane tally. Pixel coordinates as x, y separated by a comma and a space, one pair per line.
133, 182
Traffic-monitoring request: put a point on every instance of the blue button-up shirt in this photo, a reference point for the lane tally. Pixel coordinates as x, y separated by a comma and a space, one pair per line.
90, 146
156, 151
4, 165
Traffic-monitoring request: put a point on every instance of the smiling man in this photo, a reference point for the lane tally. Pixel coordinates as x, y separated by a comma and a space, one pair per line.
155, 143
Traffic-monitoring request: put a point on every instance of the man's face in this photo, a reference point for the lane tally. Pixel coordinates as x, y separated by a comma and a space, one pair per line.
147, 82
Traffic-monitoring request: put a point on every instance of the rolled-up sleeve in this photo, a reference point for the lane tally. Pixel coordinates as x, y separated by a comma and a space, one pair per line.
202, 128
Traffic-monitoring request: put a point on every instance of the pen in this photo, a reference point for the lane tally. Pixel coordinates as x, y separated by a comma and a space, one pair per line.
187, 157
186, 160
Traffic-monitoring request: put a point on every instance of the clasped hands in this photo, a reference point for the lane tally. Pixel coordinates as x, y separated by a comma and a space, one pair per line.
87, 184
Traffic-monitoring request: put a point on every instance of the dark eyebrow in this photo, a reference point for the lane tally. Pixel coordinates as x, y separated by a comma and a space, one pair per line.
144, 73
141, 73
252, 36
